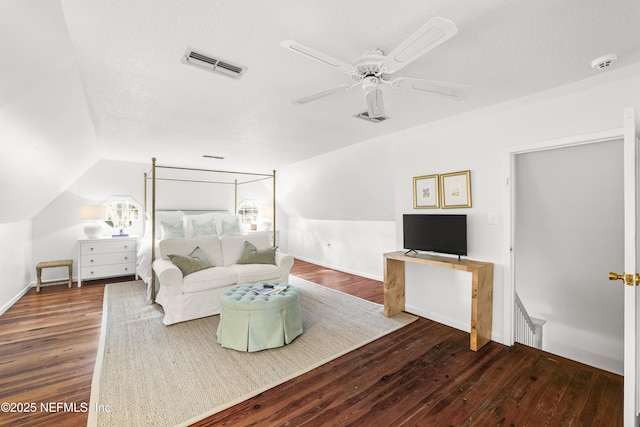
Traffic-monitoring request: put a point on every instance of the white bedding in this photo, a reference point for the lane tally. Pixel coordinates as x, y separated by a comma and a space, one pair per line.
143, 262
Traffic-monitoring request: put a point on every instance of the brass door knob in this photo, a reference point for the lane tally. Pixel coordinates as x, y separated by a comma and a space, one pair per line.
628, 279
616, 276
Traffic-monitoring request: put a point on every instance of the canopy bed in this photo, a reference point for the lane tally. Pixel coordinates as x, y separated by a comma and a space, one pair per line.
158, 222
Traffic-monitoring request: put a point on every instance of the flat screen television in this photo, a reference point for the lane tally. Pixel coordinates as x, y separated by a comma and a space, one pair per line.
435, 233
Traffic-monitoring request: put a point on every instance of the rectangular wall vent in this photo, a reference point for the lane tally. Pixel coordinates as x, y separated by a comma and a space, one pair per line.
365, 116
208, 63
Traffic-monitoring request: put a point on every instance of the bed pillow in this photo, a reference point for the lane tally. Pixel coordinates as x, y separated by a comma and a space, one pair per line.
172, 231
227, 225
200, 218
196, 261
230, 228
251, 255
169, 217
207, 228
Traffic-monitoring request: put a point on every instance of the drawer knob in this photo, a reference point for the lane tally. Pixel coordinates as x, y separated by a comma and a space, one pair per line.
91, 272
91, 261
126, 258
126, 246
126, 269
90, 249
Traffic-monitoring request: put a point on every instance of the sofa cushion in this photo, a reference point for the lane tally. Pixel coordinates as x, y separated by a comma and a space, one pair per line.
209, 244
252, 273
251, 255
209, 278
195, 261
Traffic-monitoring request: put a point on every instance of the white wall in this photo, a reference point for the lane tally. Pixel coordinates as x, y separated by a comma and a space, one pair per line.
340, 207
15, 262
355, 247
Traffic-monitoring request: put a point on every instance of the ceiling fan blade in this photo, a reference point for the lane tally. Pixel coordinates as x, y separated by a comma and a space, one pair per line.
322, 94
375, 104
318, 56
450, 90
435, 32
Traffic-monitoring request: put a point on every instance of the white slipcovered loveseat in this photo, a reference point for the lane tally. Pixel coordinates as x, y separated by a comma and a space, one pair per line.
197, 294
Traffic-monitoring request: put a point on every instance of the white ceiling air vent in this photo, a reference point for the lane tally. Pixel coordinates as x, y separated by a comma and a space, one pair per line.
365, 116
212, 64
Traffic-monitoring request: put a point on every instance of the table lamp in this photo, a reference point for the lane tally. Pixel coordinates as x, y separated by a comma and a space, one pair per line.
266, 218
95, 214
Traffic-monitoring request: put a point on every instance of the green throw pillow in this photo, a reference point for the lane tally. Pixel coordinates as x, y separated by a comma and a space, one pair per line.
251, 255
196, 261
204, 229
169, 231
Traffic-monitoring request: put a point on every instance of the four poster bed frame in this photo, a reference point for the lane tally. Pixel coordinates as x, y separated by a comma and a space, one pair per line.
152, 176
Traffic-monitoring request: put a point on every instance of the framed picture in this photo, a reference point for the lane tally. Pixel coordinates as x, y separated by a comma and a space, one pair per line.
456, 189
425, 192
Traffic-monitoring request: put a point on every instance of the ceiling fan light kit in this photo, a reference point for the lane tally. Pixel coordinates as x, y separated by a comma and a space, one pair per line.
374, 69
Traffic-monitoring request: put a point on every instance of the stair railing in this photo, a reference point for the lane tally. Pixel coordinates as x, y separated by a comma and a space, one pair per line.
528, 329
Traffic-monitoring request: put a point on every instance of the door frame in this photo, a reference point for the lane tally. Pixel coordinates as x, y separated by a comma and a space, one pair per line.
509, 254
631, 267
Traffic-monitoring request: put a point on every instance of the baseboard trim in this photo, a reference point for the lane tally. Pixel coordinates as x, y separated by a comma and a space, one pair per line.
15, 299
499, 338
335, 267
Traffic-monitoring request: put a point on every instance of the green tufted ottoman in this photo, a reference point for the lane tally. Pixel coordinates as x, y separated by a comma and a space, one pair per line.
251, 322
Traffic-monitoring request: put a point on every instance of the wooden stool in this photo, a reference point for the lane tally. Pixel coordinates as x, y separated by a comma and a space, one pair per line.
51, 264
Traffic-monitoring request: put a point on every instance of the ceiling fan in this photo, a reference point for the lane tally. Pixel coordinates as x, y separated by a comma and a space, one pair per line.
374, 68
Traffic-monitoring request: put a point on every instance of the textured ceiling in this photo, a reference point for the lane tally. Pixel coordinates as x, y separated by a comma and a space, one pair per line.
144, 102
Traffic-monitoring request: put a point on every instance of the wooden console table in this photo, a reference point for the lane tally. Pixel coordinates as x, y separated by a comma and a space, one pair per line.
481, 289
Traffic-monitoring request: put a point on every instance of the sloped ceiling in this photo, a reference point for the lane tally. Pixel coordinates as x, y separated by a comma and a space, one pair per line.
46, 133
140, 101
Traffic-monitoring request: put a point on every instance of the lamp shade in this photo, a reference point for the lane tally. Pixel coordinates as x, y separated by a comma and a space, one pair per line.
93, 212
266, 211
266, 218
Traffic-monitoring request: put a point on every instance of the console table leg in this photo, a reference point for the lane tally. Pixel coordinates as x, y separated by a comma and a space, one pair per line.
393, 287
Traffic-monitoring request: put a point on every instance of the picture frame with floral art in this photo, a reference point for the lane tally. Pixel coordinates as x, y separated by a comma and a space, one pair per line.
455, 189
426, 192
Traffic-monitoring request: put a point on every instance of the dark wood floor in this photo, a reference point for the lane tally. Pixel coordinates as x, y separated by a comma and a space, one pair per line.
423, 375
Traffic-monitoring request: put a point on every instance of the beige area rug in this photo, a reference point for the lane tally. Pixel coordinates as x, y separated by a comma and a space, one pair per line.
148, 374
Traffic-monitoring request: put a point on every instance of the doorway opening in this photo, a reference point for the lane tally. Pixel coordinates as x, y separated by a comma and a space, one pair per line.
567, 229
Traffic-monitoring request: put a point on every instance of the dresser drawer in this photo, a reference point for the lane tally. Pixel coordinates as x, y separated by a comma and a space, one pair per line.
108, 246
105, 259
111, 270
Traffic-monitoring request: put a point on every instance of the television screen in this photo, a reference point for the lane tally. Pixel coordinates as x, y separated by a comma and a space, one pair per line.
435, 233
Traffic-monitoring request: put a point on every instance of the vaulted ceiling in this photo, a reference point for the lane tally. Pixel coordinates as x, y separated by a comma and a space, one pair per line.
90, 79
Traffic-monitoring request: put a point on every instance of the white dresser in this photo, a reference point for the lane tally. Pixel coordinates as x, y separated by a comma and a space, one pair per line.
106, 257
